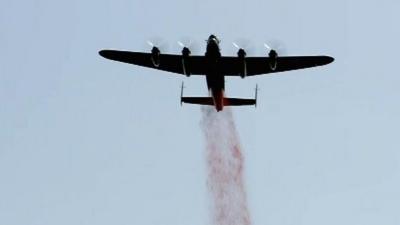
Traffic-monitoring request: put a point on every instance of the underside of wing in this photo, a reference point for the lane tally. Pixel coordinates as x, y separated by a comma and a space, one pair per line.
226, 65
233, 66
165, 62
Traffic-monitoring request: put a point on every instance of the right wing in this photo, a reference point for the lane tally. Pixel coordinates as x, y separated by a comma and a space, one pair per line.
170, 63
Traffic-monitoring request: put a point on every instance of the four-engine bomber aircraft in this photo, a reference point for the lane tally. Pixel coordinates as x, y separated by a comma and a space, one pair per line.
215, 67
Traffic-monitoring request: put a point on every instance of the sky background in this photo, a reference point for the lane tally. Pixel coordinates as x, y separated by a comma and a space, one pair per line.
84, 140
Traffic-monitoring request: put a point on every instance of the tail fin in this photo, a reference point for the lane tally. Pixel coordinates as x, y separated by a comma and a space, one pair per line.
255, 96
182, 86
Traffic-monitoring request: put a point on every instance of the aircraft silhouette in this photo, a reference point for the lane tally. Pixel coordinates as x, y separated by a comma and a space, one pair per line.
215, 67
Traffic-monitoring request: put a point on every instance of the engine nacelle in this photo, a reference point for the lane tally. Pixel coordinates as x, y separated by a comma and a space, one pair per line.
273, 55
155, 56
186, 61
242, 59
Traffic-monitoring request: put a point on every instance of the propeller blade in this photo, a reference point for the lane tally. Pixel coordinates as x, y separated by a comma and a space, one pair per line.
276, 45
181, 44
189, 43
160, 43
244, 44
267, 46
150, 43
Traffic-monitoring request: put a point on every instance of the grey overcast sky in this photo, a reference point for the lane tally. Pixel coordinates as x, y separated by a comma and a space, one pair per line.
84, 140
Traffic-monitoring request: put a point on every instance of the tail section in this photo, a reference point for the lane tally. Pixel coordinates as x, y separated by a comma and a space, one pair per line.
219, 106
210, 101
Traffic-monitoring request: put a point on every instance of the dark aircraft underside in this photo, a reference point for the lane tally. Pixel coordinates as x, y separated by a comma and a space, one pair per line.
215, 67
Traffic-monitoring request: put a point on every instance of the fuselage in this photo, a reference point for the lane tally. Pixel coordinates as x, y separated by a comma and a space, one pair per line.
215, 80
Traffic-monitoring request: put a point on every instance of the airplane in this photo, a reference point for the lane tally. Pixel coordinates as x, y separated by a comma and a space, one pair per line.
215, 67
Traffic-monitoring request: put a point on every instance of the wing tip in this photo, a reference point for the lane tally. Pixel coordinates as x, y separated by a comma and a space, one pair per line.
104, 53
329, 59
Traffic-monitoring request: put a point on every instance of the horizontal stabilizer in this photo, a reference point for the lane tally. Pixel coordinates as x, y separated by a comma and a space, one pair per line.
238, 101
198, 100
227, 101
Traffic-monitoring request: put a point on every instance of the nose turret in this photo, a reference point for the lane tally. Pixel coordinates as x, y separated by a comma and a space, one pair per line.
213, 38
213, 52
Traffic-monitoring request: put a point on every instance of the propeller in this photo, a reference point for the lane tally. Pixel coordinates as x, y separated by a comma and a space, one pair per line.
159, 43
189, 43
267, 46
245, 45
277, 46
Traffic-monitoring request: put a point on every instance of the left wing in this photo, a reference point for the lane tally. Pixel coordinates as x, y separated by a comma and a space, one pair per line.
232, 66
227, 65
